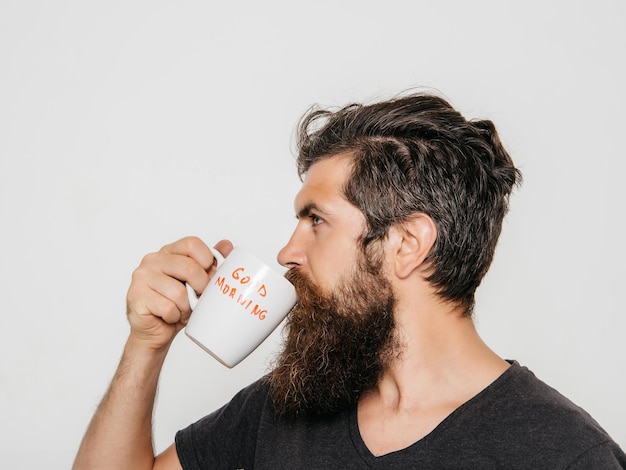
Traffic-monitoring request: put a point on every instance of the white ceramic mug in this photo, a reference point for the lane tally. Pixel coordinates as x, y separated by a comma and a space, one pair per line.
242, 304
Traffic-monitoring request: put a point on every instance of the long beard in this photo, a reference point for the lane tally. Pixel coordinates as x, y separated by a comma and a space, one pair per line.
336, 345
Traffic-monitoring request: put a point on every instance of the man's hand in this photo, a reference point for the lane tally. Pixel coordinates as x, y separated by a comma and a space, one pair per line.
120, 433
157, 303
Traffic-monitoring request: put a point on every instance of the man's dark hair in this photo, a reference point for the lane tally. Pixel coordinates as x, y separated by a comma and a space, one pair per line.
417, 154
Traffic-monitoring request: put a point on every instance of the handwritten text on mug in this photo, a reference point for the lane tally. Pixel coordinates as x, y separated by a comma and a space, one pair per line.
239, 276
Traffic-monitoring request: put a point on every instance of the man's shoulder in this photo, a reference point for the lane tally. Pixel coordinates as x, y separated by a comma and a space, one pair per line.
226, 435
243, 409
523, 422
259, 389
530, 393
527, 406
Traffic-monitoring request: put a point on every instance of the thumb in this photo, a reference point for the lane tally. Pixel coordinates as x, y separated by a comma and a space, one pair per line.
224, 247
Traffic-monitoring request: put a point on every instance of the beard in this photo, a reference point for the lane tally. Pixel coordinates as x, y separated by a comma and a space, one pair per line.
337, 344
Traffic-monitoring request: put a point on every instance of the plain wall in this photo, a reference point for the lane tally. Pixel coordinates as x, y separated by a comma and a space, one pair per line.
125, 125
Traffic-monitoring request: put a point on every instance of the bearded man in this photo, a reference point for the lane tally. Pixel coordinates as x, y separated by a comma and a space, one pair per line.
398, 218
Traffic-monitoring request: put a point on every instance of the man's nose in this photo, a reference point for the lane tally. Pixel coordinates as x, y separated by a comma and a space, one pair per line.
292, 254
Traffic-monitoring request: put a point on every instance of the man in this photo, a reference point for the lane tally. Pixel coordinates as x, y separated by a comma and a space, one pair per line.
398, 217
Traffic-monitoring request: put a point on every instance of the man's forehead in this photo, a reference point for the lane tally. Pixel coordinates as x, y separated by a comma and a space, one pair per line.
309, 199
323, 184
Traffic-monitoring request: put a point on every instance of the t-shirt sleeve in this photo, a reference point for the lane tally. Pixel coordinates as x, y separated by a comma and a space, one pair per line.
607, 456
227, 437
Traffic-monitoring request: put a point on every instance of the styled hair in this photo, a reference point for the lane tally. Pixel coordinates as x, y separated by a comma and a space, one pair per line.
417, 154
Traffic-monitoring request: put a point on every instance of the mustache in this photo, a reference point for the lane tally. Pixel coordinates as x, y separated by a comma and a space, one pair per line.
308, 294
295, 276
299, 280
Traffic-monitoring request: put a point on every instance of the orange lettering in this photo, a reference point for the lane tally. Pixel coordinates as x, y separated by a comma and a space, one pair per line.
262, 291
260, 313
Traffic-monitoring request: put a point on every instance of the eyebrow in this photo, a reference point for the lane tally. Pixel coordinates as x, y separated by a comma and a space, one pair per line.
308, 209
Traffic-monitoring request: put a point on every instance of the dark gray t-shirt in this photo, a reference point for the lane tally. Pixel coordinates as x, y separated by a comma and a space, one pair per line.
518, 422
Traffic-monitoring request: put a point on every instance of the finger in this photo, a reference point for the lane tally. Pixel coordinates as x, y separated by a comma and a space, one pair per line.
145, 303
171, 289
186, 267
189, 260
224, 247
177, 266
193, 248
164, 308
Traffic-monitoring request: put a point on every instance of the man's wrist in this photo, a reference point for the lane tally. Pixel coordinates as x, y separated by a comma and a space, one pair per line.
142, 349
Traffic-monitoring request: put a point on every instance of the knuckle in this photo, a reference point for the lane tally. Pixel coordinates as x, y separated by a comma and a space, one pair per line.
168, 311
191, 243
131, 295
188, 267
149, 259
179, 296
138, 276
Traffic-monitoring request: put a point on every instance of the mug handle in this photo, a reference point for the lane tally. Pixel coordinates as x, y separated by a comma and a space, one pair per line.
191, 294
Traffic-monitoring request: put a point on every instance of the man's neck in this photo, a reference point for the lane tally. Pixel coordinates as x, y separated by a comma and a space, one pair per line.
441, 364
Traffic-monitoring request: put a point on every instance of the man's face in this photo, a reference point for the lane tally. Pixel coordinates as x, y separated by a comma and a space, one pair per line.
340, 335
325, 243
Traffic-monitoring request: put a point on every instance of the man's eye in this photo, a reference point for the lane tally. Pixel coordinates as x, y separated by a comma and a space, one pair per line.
315, 220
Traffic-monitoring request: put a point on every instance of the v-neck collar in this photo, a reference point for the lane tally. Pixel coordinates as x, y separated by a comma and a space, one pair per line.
449, 421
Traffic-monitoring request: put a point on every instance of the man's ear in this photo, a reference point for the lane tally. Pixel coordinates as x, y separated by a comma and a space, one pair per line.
411, 242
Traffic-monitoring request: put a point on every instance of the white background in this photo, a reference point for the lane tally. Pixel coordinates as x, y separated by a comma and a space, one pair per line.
125, 125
